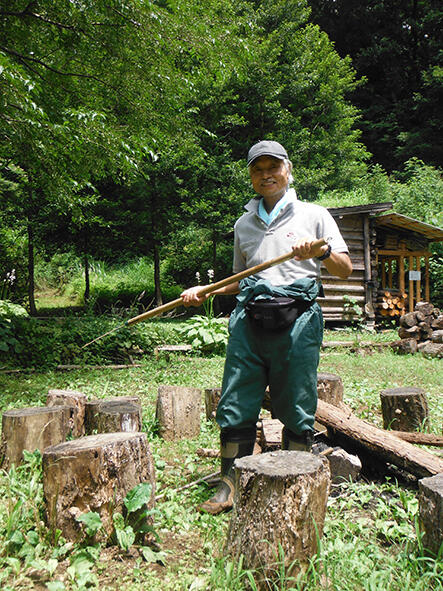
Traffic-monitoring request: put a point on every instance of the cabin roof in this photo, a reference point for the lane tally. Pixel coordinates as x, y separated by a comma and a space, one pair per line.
403, 222
356, 209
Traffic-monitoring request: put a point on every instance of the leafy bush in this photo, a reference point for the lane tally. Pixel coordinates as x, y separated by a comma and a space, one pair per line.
54, 341
8, 338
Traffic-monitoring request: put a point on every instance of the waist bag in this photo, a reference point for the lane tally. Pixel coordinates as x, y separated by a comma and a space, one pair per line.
275, 313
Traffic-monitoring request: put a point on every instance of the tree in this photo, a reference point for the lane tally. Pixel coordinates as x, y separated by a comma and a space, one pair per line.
396, 46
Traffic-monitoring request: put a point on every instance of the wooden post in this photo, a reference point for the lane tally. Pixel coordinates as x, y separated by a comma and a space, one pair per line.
279, 510
118, 416
418, 282
32, 428
404, 409
390, 273
94, 473
401, 273
178, 412
427, 288
383, 272
411, 286
70, 398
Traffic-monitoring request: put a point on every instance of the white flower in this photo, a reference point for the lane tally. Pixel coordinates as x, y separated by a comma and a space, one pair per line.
210, 274
197, 276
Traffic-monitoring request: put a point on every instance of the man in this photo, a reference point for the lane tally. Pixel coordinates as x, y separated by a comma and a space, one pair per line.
277, 327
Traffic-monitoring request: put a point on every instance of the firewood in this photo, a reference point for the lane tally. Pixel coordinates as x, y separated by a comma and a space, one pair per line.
380, 443
408, 320
405, 346
425, 307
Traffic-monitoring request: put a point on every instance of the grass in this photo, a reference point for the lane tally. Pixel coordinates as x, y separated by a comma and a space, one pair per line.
370, 541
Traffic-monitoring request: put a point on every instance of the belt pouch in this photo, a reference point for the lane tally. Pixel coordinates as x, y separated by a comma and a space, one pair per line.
275, 313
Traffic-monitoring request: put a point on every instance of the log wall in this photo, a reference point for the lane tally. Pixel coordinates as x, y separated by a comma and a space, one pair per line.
360, 241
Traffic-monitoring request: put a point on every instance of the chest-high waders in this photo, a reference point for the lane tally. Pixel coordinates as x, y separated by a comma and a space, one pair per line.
257, 356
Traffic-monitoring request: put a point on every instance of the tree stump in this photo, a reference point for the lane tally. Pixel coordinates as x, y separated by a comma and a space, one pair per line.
430, 501
92, 411
94, 473
404, 409
118, 416
330, 388
280, 502
212, 397
178, 412
32, 428
70, 398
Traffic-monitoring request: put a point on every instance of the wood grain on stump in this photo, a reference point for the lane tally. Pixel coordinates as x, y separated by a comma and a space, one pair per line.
178, 412
92, 406
70, 398
330, 388
212, 397
94, 473
32, 428
404, 409
280, 502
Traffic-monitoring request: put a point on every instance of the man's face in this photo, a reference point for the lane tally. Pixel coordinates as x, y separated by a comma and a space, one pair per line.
269, 177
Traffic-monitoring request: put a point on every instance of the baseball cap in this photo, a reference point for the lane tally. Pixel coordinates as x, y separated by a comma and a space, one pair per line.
266, 148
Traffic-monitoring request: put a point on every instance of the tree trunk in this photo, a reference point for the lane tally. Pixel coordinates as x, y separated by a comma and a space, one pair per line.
379, 443
404, 409
30, 429
31, 278
86, 266
178, 412
94, 473
118, 416
212, 397
157, 285
72, 398
330, 388
92, 410
430, 502
279, 511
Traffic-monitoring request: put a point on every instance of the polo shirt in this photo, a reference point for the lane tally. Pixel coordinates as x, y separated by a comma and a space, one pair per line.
255, 241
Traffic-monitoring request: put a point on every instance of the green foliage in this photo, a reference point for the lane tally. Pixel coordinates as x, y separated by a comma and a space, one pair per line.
206, 334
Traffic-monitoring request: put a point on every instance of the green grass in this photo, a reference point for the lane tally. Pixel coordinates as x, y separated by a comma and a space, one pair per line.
370, 540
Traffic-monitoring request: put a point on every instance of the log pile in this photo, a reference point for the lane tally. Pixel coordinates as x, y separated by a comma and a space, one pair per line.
421, 330
391, 304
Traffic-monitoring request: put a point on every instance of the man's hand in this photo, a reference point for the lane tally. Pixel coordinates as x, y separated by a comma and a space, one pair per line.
303, 249
191, 296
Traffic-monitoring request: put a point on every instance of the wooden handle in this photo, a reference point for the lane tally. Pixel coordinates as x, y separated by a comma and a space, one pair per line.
223, 283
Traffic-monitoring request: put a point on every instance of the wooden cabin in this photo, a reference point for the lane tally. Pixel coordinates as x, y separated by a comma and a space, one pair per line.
390, 255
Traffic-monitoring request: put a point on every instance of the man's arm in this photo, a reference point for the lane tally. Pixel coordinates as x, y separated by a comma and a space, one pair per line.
191, 296
338, 263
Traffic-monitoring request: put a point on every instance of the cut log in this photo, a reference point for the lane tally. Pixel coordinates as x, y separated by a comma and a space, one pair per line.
212, 397
437, 336
437, 324
405, 346
330, 388
430, 501
270, 434
404, 409
425, 308
178, 412
112, 417
432, 350
420, 438
94, 473
378, 442
32, 428
279, 510
92, 411
409, 333
70, 398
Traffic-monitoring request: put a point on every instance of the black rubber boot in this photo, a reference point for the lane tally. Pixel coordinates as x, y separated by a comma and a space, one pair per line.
294, 442
234, 443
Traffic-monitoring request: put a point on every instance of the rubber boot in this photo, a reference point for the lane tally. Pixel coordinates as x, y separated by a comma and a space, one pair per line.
234, 443
297, 442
